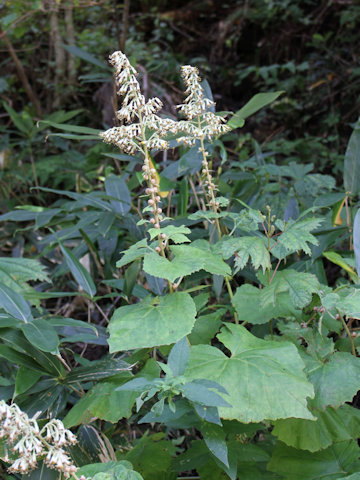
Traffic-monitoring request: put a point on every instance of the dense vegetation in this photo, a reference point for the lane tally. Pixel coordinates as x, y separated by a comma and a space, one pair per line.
179, 282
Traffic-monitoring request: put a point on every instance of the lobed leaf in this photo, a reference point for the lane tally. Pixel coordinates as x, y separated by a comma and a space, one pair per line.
146, 324
265, 379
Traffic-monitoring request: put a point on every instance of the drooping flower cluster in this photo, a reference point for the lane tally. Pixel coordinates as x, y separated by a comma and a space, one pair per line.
29, 444
145, 130
201, 122
132, 138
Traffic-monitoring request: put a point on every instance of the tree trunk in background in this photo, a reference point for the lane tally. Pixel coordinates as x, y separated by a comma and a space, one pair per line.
70, 38
22, 75
125, 25
56, 40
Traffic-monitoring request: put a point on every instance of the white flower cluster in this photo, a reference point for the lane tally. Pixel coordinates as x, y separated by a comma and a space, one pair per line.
148, 130
201, 123
132, 138
30, 444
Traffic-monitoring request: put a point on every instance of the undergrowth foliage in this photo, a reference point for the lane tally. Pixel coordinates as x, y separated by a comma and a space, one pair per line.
230, 354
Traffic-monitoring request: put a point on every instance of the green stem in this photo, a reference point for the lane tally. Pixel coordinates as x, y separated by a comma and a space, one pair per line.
153, 195
214, 207
353, 350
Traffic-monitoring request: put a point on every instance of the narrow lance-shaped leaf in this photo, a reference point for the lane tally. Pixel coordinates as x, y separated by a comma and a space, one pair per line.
41, 335
214, 437
179, 357
357, 240
116, 187
79, 272
258, 101
14, 304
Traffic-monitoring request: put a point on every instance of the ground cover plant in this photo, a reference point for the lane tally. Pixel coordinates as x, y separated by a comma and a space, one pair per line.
232, 351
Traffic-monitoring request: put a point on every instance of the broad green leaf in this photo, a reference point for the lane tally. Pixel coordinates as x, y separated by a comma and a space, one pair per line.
245, 248
130, 277
79, 272
14, 304
176, 234
331, 426
160, 322
187, 260
104, 402
24, 269
252, 307
116, 187
206, 326
345, 301
214, 437
335, 381
265, 379
179, 357
352, 164
299, 285
334, 463
137, 250
295, 236
41, 335
257, 102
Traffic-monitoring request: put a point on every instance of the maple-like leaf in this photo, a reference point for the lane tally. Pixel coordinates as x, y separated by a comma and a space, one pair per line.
245, 248
295, 236
299, 285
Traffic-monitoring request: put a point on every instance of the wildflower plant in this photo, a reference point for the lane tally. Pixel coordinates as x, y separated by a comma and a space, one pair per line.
241, 359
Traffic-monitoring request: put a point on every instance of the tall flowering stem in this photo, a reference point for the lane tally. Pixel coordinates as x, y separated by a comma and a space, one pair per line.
202, 124
143, 130
30, 444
